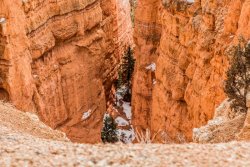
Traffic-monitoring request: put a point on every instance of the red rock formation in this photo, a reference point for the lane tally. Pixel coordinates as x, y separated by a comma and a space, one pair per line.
59, 59
146, 38
191, 60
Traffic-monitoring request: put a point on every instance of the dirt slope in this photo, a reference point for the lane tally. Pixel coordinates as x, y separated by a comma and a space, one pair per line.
18, 122
25, 141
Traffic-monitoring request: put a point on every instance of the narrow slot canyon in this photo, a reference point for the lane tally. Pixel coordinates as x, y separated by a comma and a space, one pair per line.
61, 60
145, 83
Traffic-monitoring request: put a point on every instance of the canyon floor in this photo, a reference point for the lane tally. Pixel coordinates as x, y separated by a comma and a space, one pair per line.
25, 141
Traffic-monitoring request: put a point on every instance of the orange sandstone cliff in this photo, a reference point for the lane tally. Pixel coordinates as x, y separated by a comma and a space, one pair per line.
181, 60
59, 59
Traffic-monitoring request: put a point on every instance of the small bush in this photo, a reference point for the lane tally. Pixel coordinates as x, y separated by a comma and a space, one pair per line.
127, 67
125, 74
145, 138
109, 132
238, 78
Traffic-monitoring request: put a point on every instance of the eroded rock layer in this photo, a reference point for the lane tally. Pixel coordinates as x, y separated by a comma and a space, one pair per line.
59, 59
188, 43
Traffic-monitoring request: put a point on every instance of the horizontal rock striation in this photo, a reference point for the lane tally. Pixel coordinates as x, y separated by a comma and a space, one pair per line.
191, 60
59, 59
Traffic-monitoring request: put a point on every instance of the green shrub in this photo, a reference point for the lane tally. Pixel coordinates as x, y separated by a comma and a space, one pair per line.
109, 132
127, 67
238, 78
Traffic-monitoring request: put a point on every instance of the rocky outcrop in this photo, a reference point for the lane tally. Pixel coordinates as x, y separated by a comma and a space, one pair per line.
25, 123
26, 141
227, 125
59, 59
245, 132
188, 43
146, 38
224, 127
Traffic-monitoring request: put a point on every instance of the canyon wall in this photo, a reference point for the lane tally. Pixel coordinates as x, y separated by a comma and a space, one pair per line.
187, 43
59, 59
146, 38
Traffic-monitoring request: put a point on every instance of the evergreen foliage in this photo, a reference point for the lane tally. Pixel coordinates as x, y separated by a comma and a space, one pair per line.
125, 73
238, 78
127, 67
109, 132
120, 80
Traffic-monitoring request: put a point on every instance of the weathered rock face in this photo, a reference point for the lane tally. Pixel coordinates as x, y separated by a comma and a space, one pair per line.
190, 53
59, 58
227, 125
224, 127
146, 38
245, 132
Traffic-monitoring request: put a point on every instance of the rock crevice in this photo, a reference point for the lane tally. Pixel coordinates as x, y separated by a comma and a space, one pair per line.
190, 52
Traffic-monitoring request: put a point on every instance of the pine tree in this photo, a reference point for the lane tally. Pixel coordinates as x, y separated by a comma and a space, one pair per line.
131, 64
127, 69
127, 66
120, 80
109, 132
238, 78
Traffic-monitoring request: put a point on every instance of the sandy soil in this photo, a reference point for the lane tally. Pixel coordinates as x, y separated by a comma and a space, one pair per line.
25, 141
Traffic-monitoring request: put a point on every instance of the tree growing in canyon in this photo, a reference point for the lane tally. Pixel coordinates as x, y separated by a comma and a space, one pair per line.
127, 66
127, 69
238, 78
109, 132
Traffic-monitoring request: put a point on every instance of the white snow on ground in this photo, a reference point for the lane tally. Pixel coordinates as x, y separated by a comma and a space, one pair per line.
127, 110
216, 121
151, 67
121, 122
86, 114
105, 115
25, 1
120, 93
126, 136
2, 20
154, 81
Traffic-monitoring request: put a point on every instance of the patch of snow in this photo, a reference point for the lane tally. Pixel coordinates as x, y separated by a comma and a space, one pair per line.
35, 76
105, 116
127, 109
120, 93
2, 20
121, 122
86, 114
216, 121
151, 67
190, 1
123, 89
55, 66
154, 81
126, 136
